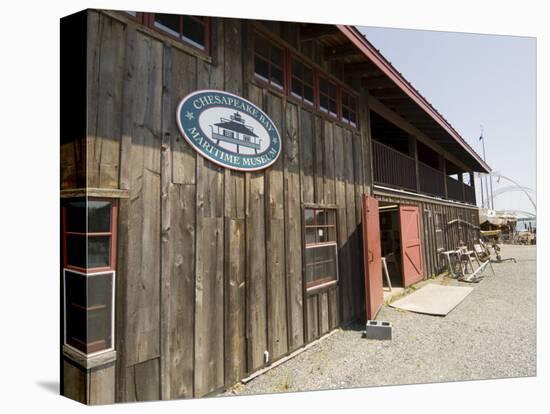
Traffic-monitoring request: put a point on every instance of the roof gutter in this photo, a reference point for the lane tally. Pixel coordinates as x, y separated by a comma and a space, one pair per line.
382, 63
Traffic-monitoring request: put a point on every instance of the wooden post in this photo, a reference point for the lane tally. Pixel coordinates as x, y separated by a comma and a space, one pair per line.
472, 185
413, 151
461, 177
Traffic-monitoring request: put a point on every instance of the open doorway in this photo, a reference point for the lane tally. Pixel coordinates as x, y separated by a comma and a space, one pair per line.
400, 243
390, 242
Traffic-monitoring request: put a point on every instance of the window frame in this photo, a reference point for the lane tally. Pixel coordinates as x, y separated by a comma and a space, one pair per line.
336, 97
317, 285
148, 20
113, 282
112, 233
301, 99
355, 109
318, 72
284, 68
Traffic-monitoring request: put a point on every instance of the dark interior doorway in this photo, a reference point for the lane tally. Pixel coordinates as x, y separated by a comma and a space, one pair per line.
390, 240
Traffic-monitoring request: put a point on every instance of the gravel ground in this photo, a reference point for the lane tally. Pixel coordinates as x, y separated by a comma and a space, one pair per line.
491, 334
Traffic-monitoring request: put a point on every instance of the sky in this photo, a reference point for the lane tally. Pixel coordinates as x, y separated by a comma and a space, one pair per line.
474, 80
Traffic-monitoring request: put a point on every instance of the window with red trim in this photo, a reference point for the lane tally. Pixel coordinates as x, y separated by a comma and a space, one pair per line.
321, 250
192, 30
328, 97
349, 108
268, 62
301, 83
89, 252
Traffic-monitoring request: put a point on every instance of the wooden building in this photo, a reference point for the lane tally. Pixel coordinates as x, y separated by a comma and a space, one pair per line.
180, 277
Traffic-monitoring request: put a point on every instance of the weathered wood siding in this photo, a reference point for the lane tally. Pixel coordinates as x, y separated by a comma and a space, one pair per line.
210, 261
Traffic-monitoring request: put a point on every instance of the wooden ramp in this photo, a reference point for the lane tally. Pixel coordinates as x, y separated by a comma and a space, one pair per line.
433, 299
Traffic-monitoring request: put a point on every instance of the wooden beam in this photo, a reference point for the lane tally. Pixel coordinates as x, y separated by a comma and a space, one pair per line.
341, 51
364, 69
315, 31
388, 93
383, 82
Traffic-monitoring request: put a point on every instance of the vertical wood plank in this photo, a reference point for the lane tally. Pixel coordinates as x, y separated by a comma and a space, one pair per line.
275, 249
234, 230
293, 220
106, 88
143, 277
323, 313
329, 164
183, 81
306, 155
209, 292
312, 318
346, 293
318, 152
256, 263
101, 385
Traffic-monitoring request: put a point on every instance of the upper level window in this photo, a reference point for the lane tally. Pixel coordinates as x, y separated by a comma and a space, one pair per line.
301, 82
328, 97
320, 247
349, 109
190, 29
268, 62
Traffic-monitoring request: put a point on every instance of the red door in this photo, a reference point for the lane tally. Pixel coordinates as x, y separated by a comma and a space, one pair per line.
411, 246
372, 256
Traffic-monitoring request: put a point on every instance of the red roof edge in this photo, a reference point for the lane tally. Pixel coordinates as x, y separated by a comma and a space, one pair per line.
386, 67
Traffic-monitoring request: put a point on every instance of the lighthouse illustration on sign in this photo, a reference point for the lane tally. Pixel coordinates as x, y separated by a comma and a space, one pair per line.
235, 131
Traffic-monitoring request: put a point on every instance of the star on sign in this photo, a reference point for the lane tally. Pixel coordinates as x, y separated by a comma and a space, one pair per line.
189, 115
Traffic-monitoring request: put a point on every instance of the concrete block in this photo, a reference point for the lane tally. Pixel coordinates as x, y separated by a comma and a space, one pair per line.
378, 330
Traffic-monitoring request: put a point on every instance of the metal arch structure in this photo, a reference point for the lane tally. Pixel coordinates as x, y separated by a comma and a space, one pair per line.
512, 188
516, 185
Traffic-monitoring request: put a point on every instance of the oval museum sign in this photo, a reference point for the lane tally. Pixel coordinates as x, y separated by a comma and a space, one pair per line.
229, 130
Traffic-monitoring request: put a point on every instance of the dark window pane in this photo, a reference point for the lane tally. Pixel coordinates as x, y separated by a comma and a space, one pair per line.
332, 107
331, 234
309, 216
308, 94
75, 310
261, 68
331, 217
193, 30
323, 103
323, 86
321, 217
76, 250
261, 46
99, 216
345, 114
276, 55
352, 118
76, 216
99, 251
308, 75
320, 264
88, 307
100, 288
322, 235
276, 76
310, 236
332, 90
297, 69
296, 87
169, 23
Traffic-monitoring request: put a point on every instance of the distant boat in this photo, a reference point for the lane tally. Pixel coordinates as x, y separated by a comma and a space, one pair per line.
235, 131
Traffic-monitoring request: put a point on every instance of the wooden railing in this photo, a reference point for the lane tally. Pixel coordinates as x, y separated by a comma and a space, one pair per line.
393, 168
454, 189
469, 194
432, 181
